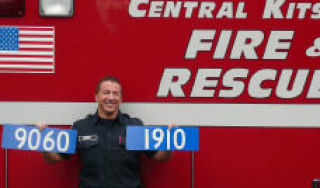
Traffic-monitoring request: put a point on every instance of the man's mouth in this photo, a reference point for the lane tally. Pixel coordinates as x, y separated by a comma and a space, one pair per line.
110, 105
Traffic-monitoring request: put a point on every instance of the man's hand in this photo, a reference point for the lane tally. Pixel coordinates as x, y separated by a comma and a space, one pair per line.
41, 125
164, 155
50, 157
171, 125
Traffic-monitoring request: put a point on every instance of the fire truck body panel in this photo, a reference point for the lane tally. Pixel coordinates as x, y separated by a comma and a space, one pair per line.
258, 116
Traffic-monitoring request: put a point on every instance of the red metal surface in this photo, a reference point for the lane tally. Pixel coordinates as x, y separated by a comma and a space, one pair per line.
257, 157
172, 174
29, 169
102, 38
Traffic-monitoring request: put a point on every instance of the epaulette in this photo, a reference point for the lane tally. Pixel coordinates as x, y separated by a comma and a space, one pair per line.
88, 119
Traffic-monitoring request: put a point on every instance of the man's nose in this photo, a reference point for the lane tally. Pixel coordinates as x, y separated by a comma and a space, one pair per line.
111, 96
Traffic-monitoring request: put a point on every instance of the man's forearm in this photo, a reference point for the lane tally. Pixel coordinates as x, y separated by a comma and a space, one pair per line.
51, 157
162, 156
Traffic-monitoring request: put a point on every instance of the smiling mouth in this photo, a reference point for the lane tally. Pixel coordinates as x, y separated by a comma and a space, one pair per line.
110, 104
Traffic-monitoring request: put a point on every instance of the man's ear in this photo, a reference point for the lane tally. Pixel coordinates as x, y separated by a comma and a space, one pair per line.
96, 97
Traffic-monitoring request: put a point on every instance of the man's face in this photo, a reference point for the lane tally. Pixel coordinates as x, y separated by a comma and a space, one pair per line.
109, 98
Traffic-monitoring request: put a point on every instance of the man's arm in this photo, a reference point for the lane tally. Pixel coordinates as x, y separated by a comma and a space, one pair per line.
50, 157
162, 156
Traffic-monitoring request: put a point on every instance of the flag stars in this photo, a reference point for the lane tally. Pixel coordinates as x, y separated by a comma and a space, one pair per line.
9, 38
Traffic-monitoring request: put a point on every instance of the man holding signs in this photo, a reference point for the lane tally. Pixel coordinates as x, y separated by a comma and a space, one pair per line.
101, 142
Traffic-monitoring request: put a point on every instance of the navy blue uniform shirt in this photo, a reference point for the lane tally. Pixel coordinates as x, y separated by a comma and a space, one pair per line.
101, 147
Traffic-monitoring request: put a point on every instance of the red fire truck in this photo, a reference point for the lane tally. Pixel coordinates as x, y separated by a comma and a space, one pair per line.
246, 73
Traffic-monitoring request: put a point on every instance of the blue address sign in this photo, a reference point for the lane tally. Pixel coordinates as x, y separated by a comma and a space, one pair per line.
23, 137
160, 138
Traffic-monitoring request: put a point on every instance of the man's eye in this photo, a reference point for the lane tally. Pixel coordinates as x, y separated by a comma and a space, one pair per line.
116, 94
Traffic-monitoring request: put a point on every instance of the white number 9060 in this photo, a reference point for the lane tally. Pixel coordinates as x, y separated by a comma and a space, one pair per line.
33, 140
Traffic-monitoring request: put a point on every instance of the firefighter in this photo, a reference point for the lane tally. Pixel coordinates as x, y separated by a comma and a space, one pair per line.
101, 142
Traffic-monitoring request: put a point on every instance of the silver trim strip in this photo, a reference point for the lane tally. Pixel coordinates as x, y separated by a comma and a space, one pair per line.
262, 115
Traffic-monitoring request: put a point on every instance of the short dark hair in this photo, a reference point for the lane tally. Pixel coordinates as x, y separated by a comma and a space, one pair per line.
107, 78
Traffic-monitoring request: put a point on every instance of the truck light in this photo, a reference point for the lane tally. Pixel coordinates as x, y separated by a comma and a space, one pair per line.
56, 8
12, 8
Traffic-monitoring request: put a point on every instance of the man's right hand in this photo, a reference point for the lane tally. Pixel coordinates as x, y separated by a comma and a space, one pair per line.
41, 125
50, 157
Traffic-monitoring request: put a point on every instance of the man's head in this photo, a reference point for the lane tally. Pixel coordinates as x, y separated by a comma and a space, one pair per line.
109, 96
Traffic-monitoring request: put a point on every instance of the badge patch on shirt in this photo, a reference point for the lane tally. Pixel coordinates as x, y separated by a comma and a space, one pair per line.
88, 138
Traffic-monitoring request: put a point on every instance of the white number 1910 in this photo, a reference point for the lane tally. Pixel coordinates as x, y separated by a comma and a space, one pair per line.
158, 136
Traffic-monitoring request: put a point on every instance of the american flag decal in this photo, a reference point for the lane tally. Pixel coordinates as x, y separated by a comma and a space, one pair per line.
26, 49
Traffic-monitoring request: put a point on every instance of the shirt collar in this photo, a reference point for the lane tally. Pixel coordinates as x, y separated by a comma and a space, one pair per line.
121, 118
